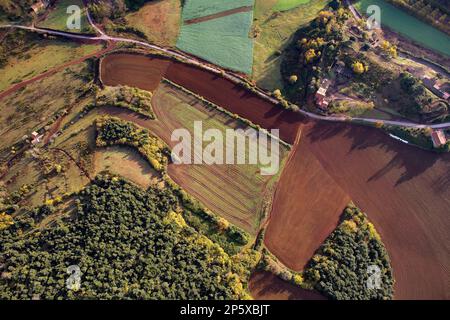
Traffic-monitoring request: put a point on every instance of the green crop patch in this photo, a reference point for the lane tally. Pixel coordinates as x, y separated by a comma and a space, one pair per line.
193, 9
223, 41
284, 5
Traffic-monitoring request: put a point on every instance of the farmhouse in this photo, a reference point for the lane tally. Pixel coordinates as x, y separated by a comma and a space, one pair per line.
39, 5
321, 94
438, 138
36, 138
436, 88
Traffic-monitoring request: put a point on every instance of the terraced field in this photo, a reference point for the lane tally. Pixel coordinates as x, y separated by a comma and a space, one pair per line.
237, 192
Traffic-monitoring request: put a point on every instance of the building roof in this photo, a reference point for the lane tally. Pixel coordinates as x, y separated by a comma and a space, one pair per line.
322, 92
438, 138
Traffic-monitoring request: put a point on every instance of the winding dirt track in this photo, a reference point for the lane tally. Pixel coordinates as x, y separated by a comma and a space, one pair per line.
404, 190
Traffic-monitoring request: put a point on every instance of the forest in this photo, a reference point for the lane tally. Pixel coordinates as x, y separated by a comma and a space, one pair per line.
340, 269
128, 243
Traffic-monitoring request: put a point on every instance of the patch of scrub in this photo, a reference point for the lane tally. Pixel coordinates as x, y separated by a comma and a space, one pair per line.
408, 26
283, 5
199, 8
223, 41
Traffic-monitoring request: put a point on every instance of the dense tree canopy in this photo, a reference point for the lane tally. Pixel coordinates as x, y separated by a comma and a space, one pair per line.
128, 243
341, 267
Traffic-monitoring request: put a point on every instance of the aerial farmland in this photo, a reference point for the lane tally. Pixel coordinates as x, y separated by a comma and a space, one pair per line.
224, 150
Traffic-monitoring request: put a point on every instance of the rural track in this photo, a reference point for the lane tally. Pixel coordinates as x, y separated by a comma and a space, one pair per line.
226, 74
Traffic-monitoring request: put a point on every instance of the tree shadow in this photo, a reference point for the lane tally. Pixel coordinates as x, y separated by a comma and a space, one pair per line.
413, 160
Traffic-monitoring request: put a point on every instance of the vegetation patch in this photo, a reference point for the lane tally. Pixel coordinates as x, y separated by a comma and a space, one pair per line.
134, 99
113, 131
272, 32
29, 59
105, 239
340, 268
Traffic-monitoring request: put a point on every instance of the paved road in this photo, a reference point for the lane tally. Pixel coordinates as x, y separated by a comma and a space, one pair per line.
226, 74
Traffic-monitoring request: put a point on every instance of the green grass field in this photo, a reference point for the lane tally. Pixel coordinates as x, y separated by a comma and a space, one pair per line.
42, 56
199, 8
283, 5
275, 30
57, 19
223, 41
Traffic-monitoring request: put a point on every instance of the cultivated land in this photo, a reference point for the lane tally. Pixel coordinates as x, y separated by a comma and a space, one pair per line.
273, 32
146, 72
193, 9
134, 70
158, 20
246, 195
405, 192
266, 286
207, 23
57, 18
306, 209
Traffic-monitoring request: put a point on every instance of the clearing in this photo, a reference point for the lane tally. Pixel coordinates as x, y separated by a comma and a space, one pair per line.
125, 162
158, 20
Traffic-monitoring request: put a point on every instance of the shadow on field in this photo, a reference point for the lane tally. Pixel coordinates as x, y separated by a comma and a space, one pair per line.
413, 160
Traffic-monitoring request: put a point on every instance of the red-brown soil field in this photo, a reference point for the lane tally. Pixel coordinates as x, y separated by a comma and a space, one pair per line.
235, 99
306, 209
145, 73
404, 190
133, 70
406, 193
266, 286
